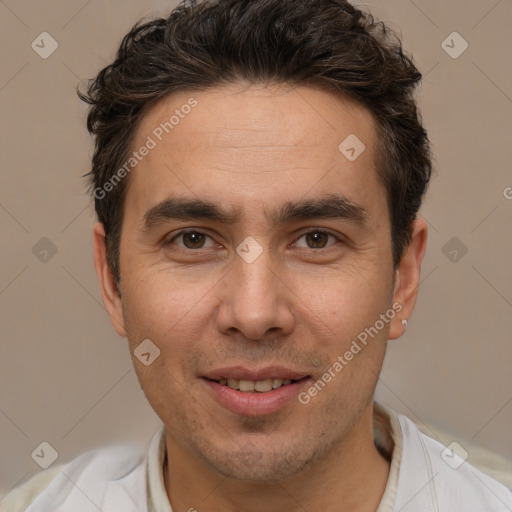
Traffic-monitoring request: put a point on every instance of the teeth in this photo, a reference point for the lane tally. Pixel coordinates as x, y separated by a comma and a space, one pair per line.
233, 383
246, 385
277, 383
263, 385
250, 386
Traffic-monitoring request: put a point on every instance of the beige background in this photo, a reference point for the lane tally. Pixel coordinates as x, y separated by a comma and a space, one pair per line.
67, 378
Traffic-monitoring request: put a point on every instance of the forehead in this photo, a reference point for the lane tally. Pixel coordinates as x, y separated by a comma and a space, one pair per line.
249, 144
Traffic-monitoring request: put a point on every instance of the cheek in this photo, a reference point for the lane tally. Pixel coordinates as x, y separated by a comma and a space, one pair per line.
353, 351
346, 300
157, 309
156, 302
174, 314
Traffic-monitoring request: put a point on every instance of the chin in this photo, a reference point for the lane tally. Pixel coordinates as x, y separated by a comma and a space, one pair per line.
251, 465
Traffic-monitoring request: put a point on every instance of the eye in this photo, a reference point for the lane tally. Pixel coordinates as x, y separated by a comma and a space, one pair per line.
192, 240
316, 239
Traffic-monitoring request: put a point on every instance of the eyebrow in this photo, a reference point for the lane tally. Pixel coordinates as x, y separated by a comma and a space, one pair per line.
328, 207
186, 209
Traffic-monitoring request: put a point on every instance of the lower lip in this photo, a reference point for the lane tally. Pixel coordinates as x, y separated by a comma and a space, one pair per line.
255, 404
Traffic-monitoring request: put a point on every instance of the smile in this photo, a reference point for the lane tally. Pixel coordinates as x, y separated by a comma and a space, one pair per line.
255, 392
258, 386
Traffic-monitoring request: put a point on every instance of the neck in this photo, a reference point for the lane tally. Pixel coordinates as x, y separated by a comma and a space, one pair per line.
352, 477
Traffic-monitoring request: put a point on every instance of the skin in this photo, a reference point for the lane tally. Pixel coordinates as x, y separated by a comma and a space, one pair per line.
253, 148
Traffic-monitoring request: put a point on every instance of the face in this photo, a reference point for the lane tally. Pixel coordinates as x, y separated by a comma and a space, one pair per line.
253, 249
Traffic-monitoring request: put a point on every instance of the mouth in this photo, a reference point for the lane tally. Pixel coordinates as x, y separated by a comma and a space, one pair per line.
255, 392
258, 386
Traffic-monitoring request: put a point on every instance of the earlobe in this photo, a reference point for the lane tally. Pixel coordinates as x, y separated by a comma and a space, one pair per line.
407, 278
110, 294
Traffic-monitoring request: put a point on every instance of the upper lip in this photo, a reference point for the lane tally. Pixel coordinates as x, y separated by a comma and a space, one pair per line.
267, 372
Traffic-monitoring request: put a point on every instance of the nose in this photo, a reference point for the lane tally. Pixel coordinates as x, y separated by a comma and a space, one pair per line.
256, 301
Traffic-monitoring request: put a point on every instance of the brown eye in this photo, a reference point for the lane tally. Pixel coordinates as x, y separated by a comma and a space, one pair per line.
317, 239
191, 240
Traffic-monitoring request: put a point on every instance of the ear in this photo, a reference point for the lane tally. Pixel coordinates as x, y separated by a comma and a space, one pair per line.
109, 291
407, 279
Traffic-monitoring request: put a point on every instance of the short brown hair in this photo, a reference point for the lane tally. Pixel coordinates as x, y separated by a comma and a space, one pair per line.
324, 43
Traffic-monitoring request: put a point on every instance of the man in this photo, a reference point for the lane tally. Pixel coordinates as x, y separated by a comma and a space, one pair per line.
258, 170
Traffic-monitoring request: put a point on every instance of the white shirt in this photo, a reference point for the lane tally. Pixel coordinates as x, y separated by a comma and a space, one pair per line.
125, 479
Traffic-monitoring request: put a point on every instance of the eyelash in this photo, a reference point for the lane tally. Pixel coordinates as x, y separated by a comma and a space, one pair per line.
188, 231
